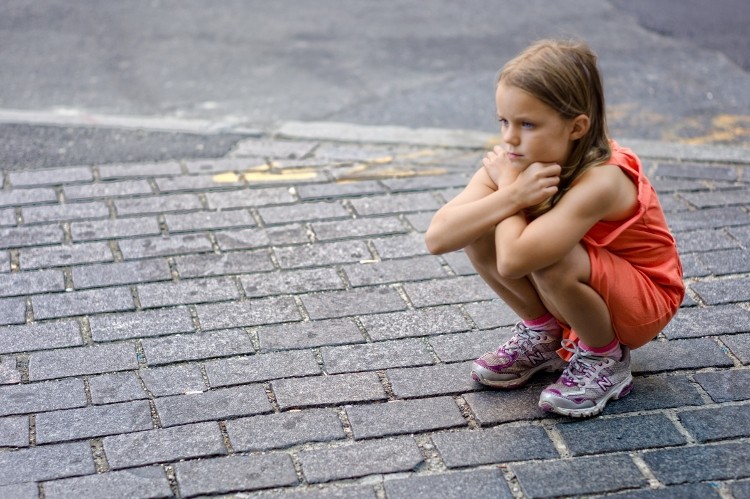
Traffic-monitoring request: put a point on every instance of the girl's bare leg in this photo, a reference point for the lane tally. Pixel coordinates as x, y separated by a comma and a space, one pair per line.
565, 291
519, 294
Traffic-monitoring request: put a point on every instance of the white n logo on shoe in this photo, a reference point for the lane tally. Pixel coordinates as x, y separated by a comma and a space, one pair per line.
604, 383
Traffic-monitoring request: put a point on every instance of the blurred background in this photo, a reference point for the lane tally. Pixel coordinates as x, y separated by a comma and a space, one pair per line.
674, 70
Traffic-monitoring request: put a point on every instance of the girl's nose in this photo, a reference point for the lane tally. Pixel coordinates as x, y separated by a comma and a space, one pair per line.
510, 136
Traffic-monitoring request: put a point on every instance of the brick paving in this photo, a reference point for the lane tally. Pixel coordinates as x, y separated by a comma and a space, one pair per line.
271, 324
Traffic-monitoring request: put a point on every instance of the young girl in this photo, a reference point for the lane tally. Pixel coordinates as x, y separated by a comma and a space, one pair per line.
562, 224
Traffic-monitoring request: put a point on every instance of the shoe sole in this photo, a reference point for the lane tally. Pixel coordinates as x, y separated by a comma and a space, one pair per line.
480, 375
621, 390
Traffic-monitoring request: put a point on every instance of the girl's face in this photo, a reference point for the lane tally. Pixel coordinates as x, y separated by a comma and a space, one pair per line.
531, 131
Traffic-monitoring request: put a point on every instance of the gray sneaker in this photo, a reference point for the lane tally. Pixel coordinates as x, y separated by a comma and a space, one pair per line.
588, 383
516, 361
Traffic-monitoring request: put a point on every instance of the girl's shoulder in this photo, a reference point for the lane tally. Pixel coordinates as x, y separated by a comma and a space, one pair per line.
609, 188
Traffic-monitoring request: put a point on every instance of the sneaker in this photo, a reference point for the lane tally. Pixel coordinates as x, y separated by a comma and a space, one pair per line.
516, 361
588, 383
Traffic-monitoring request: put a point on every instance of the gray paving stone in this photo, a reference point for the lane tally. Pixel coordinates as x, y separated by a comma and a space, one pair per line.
288, 282
742, 234
9, 373
140, 324
119, 273
448, 291
261, 367
14, 431
236, 262
327, 390
725, 262
57, 256
95, 421
189, 291
129, 170
20, 491
657, 392
395, 203
491, 314
212, 405
256, 312
138, 482
309, 334
709, 218
19, 237
157, 204
687, 491
320, 491
598, 436
725, 386
693, 266
327, 191
741, 490
320, 254
4, 262
64, 212
360, 227
17, 197
426, 182
716, 423
492, 407
29, 398
304, 212
695, 171
46, 462
123, 188
116, 387
723, 291
740, 346
278, 431
411, 323
82, 360
704, 240
29, 283
404, 416
40, 336
391, 271
708, 321
204, 345
710, 199
487, 484
198, 183
12, 311
51, 176
93, 230
420, 222
696, 353
467, 346
172, 380
249, 197
373, 356
274, 148
603, 474
208, 220
493, 445
86, 302
725, 461
260, 238
219, 165
361, 459
235, 473
370, 300
164, 445
402, 246
459, 263
441, 379
165, 246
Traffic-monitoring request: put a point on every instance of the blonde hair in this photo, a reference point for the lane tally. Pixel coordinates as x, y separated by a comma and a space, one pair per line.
564, 75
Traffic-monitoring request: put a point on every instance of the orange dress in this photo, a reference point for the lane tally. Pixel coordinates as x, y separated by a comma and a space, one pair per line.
634, 263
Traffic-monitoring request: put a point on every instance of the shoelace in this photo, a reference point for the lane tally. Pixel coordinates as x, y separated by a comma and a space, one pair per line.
581, 365
521, 335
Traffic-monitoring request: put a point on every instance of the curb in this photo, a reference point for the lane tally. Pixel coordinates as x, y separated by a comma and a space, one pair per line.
348, 132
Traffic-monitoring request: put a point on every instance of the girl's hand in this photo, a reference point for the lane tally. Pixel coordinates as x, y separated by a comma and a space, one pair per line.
536, 183
499, 167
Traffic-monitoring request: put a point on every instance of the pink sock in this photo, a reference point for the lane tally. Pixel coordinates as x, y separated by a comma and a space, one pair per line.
611, 349
546, 323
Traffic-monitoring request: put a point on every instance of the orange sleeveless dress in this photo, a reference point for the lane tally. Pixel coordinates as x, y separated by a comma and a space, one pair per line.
634, 264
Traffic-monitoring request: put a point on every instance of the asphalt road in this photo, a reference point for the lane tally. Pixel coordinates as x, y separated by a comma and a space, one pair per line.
674, 70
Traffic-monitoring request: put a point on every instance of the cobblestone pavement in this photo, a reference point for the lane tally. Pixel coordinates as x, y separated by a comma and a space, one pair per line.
271, 323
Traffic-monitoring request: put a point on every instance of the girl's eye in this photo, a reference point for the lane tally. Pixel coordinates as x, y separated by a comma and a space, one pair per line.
526, 124
503, 121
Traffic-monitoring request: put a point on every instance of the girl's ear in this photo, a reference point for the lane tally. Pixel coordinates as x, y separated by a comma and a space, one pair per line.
579, 126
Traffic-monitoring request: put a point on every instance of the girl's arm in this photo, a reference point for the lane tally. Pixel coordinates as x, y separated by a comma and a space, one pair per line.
603, 192
483, 203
